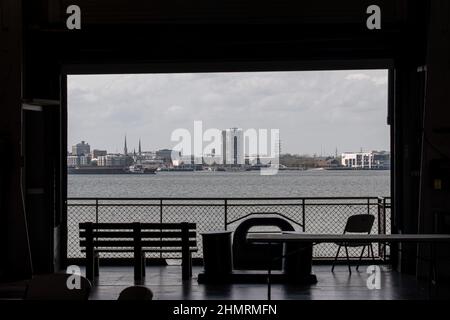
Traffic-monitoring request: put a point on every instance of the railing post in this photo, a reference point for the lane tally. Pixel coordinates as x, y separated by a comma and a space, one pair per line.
96, 210
368, 205
96, 215
303, 215
226, 214
380, 246
379, 215
384, 225
160, 221
160, 210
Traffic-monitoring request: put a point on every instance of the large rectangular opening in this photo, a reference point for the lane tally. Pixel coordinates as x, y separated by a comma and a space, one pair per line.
217, 147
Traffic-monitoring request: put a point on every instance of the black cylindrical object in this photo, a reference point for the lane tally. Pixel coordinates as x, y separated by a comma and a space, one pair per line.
217, 254
298, 261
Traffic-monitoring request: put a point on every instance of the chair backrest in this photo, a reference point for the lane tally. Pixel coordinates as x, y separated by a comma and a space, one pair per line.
55, 287
361, 223
136, 293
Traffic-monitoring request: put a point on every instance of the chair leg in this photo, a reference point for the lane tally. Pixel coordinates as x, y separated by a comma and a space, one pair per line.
360, 257
335, 258
348, 260
371, 250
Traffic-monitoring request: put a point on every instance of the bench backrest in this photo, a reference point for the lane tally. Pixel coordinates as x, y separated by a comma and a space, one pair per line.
136, 234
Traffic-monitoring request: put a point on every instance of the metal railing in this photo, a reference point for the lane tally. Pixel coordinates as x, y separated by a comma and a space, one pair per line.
384, 224
312, 215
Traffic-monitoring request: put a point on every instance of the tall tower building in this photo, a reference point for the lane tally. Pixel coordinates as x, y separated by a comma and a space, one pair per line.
233, 146
140, 151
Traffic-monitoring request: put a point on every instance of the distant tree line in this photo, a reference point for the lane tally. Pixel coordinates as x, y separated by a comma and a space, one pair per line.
306, 161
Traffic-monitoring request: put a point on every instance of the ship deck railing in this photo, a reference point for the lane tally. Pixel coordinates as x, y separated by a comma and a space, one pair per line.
322, 215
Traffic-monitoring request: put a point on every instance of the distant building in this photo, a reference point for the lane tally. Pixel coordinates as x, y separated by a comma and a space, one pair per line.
80, 149
98, 153
113, 160
183, 161
85, 160
233, 146
166, 155
366, 160
78, 161
73, 161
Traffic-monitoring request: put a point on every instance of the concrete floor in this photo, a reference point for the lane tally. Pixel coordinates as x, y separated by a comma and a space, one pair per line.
166, 284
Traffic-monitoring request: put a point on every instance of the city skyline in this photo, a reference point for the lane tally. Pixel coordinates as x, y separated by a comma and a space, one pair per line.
315, 111
131, 151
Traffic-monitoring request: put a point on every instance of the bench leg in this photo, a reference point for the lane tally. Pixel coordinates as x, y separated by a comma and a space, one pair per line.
186, 266
90, 265
138, 266
96, 264
143, 264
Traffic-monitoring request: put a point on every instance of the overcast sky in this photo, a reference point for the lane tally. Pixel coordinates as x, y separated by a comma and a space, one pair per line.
316, 111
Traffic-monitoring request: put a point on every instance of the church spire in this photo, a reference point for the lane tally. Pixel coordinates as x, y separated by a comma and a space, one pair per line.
125, 149
140, 151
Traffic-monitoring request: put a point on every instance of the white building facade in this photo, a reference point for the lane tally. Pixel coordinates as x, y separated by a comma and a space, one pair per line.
379, 160
112, 160
80, 149
78, 161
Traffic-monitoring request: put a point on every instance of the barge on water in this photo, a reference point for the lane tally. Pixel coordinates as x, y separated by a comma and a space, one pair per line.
110, 170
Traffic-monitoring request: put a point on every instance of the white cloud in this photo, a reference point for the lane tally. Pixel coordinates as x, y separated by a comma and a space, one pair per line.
378, 80
357, 76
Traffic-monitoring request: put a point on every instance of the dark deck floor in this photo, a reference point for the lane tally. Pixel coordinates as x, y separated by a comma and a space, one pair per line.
166, 284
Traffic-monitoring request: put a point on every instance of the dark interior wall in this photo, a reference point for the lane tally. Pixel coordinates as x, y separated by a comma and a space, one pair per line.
15, 260
153, 36
41, 183
435, 181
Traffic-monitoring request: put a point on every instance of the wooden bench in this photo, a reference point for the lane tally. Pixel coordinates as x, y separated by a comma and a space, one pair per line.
139, 239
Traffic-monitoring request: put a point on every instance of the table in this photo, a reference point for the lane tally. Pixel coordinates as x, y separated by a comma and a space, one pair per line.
297, 237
